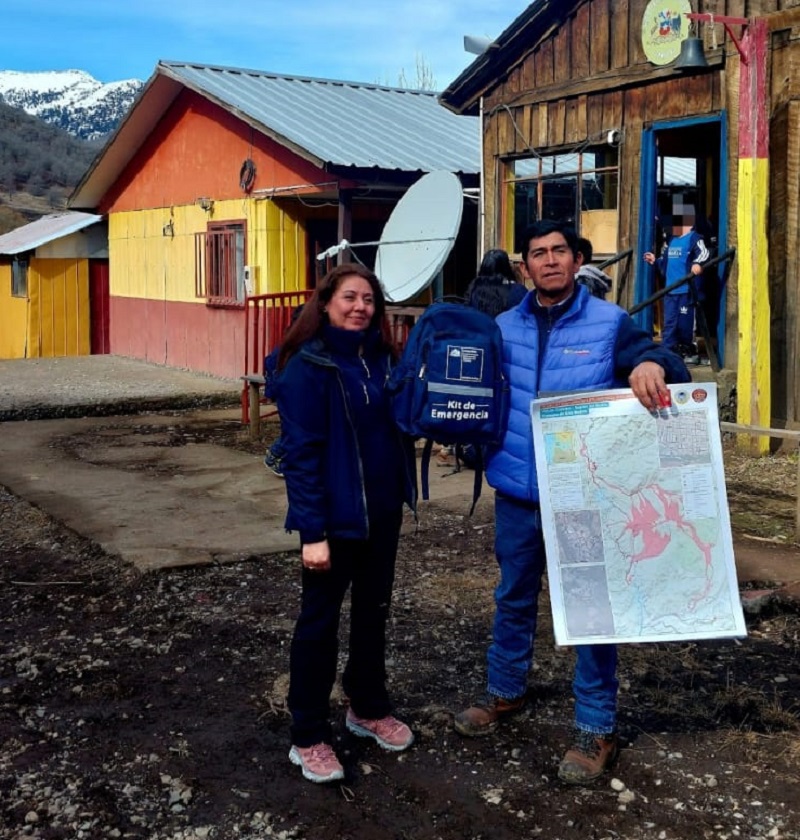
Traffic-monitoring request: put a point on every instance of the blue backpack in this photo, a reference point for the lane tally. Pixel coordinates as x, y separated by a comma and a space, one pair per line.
448, 386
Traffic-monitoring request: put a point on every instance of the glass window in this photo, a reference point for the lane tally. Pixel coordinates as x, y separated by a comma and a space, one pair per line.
677, 171
222, 263
581, 188
19, 278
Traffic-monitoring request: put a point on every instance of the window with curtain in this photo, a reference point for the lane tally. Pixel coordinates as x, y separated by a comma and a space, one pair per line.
219, 263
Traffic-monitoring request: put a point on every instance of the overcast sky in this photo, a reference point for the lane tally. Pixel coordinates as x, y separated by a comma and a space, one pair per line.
354, 40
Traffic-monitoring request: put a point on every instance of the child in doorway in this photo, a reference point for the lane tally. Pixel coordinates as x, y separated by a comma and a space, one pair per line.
684, 254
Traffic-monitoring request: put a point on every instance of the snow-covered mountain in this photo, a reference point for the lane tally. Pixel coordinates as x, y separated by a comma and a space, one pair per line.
70, 99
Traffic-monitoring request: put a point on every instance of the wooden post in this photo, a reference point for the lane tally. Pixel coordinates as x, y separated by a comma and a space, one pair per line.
344, 224
753, 368
255, 410
754, 404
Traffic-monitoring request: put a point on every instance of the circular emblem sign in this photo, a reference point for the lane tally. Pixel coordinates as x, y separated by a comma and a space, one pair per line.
664, 26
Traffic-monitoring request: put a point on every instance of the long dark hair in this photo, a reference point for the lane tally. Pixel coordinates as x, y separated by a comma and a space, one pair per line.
496, 287
496, 261
313, 317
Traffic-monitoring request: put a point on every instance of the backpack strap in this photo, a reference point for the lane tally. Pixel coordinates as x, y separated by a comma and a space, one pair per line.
478, 483
425, 464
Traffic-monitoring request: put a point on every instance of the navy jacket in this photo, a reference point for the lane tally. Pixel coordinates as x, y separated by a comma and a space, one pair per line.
340, 438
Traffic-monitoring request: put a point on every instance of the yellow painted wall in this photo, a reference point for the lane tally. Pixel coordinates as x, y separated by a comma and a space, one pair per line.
152, 252
54, 320
59, 316
13, 319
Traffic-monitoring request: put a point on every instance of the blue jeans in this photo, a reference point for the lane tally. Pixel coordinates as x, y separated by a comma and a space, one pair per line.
519, 546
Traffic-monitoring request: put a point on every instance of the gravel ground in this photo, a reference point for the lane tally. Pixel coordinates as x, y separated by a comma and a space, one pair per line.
152, 706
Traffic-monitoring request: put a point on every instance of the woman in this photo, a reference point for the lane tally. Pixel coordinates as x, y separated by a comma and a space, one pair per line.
496, 287
348, 472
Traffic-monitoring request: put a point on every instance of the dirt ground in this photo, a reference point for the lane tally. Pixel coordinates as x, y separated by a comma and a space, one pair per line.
153, 705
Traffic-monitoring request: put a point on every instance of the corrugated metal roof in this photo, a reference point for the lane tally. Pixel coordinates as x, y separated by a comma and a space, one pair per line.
348, 124
44, 230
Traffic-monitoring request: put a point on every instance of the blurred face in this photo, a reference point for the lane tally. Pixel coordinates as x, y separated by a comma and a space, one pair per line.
551, 266
352, 305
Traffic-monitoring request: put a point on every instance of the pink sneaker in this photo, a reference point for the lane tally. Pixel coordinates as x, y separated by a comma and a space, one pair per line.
318, 763
388, 732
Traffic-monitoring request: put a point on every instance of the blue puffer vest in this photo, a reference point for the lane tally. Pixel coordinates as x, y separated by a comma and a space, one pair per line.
578, 356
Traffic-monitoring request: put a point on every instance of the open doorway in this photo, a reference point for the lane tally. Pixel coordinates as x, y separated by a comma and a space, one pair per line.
684, 165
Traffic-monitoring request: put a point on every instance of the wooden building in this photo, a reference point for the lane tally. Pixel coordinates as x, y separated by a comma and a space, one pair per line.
587, 115
221, 184
54, 287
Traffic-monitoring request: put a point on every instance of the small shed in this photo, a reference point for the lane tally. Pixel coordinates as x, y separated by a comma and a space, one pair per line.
54, 287
592, 110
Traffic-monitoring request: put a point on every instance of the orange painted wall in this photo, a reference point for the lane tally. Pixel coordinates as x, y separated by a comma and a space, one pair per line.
197, 150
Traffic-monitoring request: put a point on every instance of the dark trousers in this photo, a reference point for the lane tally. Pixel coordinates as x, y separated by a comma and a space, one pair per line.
367, 567
678, 331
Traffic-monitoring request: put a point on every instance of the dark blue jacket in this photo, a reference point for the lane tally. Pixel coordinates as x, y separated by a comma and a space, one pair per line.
334, 487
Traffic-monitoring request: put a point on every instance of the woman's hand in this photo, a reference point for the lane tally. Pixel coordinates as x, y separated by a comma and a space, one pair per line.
317, 556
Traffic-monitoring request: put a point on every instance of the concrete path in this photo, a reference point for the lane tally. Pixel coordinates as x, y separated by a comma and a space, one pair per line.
83, 386
119, 480
125, 483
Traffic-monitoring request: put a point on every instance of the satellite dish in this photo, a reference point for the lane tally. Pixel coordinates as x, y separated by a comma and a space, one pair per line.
419, 235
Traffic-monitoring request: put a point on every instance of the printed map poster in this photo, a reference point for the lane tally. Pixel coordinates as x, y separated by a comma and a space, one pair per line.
635, 518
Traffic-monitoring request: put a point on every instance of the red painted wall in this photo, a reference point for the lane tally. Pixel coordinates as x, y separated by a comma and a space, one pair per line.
197, 150
183, 335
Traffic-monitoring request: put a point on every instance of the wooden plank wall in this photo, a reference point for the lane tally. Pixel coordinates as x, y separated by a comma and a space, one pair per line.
588, 76
784, 267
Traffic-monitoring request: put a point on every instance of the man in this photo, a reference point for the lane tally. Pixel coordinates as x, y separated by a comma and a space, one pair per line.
560, 338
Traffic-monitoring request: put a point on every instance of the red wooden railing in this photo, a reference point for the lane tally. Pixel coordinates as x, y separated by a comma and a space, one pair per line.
266, 320
269, 316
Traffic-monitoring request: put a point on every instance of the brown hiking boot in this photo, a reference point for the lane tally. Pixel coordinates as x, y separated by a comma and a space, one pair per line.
588, 758
483, 719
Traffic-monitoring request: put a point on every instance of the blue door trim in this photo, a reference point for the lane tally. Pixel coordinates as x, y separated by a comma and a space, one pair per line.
645, 274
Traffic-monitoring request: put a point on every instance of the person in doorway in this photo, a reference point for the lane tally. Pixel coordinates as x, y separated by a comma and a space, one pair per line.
348, 472
684, 254
709, 286
559, 338
597, 282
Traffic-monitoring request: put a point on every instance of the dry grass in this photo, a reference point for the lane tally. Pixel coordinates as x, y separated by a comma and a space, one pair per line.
762, 492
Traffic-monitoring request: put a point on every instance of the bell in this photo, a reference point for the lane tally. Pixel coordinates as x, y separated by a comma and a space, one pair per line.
693, 56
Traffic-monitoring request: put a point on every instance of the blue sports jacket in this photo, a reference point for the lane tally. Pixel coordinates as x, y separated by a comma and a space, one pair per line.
322, 463
581, 344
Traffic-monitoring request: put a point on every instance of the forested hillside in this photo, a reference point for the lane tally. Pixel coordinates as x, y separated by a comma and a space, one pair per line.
40, 165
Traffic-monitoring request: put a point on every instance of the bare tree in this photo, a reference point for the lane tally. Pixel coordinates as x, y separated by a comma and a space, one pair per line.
424, 78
